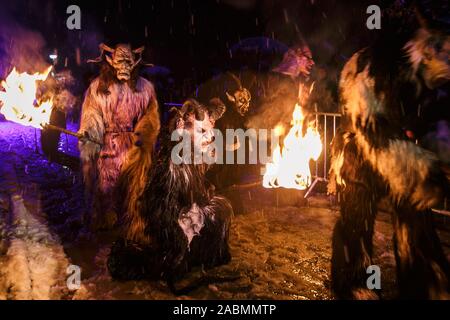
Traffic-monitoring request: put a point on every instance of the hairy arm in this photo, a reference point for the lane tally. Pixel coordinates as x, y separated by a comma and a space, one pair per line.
135, 171
92, 125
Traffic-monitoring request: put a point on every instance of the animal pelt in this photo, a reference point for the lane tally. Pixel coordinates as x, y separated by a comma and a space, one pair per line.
119, 117
378, 117
180, 222
382, 89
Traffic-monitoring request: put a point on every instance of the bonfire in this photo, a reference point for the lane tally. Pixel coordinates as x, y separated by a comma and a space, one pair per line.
289, 167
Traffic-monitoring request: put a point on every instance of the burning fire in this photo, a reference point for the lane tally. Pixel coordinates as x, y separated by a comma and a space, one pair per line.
18, 101
290, 164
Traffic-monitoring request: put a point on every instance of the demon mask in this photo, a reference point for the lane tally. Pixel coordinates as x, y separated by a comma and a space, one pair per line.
240, 98
123, 59
198, 122
296, 62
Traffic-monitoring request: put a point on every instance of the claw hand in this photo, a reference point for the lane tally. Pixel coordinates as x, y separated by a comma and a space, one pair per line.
84, 137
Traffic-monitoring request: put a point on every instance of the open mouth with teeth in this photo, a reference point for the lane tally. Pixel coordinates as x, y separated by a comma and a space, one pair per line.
123, 75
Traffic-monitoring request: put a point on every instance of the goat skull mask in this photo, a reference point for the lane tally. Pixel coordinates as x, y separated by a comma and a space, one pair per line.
123, 59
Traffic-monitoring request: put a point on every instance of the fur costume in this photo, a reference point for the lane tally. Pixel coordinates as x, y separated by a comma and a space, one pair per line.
382, 89
238, 101
180, 222
251, 106
117, 113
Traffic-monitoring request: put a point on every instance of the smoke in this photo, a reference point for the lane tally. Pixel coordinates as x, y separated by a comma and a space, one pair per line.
332, 37
277, 105
20, 47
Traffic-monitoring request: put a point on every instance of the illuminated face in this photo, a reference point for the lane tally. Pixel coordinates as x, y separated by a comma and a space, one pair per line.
304, 60
200, 131
123, 62
241, 99
296, 62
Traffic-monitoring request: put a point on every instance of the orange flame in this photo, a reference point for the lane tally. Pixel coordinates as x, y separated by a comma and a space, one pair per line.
290, 165
18, 101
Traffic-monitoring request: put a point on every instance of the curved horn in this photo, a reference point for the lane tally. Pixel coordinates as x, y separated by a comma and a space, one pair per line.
139, 50
103, 47
216, 108
238, 81
137, 62
252, 82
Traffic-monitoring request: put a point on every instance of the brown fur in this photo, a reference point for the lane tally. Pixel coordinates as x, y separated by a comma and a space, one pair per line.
134, 175
121, 123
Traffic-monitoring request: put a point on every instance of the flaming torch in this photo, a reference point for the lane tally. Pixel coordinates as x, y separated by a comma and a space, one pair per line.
19, 102
290, 162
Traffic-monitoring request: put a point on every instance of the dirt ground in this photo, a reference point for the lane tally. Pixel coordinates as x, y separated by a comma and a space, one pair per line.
279, 251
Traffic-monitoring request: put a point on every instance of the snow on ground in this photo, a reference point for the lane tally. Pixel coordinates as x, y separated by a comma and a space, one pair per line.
33, 264
279, 252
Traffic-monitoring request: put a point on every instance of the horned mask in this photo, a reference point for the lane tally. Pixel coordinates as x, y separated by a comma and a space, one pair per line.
198, 120
123, 59
241, 97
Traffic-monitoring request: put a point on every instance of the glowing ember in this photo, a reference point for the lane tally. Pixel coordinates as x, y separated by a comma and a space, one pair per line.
290, 164
18, 101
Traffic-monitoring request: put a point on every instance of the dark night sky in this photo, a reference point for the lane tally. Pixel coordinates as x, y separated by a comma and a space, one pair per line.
192, 37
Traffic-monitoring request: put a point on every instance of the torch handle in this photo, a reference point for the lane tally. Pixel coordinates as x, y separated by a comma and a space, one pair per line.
72, 133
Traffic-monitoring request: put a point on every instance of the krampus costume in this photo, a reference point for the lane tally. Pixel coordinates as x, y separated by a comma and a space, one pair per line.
238, 98
383, 89
278, 90
180, 223
118, 109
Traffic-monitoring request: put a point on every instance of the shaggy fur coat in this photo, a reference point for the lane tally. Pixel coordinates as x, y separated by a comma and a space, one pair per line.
117, 117
383, 96
178, 222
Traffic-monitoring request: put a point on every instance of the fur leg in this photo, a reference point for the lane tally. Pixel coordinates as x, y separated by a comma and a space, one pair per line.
104, 212
353, 232
134, 173
423, 271
352, 241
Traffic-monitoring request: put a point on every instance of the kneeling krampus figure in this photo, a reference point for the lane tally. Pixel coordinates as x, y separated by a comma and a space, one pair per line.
177, 222
383, 89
